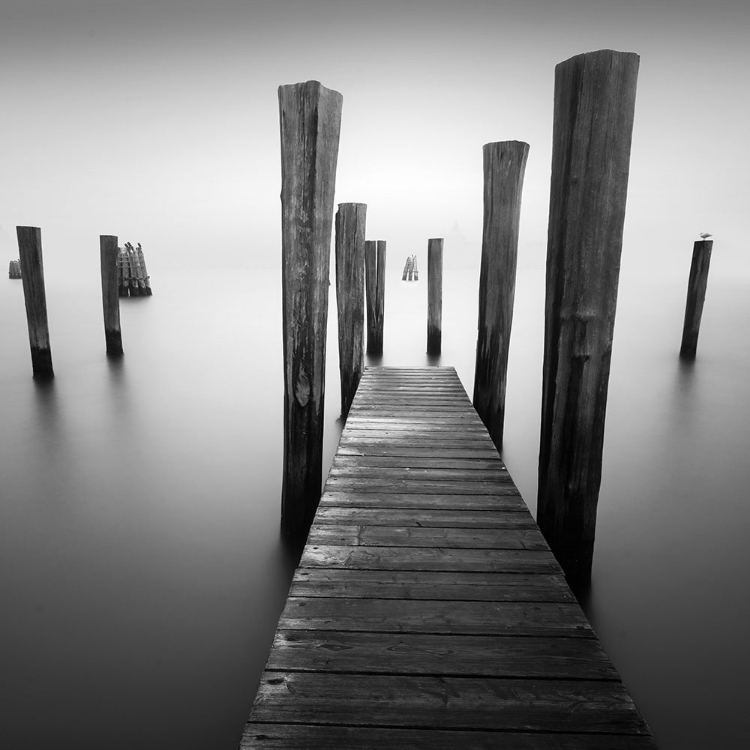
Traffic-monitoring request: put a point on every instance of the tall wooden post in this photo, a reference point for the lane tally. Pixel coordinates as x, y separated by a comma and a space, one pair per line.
310, 117
696, 296
350, 297
32, 274
593, 123
109, 251
434, 295
504, 169
375, 287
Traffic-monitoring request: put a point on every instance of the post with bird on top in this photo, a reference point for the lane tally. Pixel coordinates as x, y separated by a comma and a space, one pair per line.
696, 295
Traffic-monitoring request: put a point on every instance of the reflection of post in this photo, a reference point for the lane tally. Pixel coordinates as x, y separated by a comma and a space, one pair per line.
109, 252
696, 296
434, 295
350, 297
32, 274
310, 116
593, 122
375, 287
504, 167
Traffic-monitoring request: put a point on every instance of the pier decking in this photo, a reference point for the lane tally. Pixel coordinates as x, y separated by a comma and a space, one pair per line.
427, 610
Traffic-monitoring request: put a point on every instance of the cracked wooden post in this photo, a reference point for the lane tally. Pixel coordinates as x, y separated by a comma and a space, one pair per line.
504, 168
593, 124
375, 288
434, 295
32, 275
109, 252
310, 120
350, 297
696, 296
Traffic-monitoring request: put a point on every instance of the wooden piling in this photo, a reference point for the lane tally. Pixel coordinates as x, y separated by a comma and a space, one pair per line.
32, 274
414, 268
310, 120
14, 269
109, 252
504, 169
593, 123
350, 297
375, 288
434, 295
696, 296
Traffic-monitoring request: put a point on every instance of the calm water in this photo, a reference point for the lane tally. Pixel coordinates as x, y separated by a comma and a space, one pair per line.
141, 569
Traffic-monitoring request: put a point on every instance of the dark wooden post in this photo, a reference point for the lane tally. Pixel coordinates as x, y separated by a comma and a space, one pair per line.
434, 295
32, 274
696, 296
504, 168
375, 287
310, 117
350, 297
109, 252
593, 123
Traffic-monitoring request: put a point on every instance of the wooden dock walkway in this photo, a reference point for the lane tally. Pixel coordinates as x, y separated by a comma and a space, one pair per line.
427, 610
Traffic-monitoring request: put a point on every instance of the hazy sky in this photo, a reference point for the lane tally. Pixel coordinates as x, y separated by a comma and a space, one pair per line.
157, 120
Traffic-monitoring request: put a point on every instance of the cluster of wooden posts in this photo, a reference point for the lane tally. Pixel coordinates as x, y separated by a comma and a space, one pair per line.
32, 273
14, 269
411, 273
594, 105
132, 278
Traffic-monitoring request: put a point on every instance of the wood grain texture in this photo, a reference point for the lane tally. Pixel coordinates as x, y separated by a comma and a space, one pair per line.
504, 168
109, 252
427, 609
593, 124
375, 294
434, 295
310, 117
35, 298
350, 297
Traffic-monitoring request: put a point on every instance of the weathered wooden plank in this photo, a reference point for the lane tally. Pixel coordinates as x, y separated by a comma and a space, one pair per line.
417, 536
421, 558
455, 702
419, 462
351, 583
371, 484
366, 448
406, 473
449, 655
550, 619
507, 498
433, 518
266, 736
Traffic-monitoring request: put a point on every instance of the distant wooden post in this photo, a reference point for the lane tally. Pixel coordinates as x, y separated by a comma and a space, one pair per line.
350, 297
310, 117
32, 274
593, 123
696, 296
109, 251
434, 295
375, 287
504, 169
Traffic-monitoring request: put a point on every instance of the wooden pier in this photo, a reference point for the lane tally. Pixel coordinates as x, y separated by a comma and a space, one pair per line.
427, 610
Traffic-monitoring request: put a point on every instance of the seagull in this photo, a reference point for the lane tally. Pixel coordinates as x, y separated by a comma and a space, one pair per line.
705, 235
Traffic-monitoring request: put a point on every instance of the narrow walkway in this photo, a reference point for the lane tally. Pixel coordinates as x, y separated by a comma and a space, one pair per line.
427, 610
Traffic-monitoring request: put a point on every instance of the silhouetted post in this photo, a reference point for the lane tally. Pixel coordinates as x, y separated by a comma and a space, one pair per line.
504, 169
696, 296
310, 117
434, 295
375, 287
593, 123
109, 252
350, 297
32, 275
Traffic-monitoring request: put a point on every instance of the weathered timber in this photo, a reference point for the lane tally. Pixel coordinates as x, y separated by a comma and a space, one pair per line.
375, 287
310, 117
35, 296
350, 297
429, 612
504, 168
593, 123
696, 295
109, 252
434, 295
14, 269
